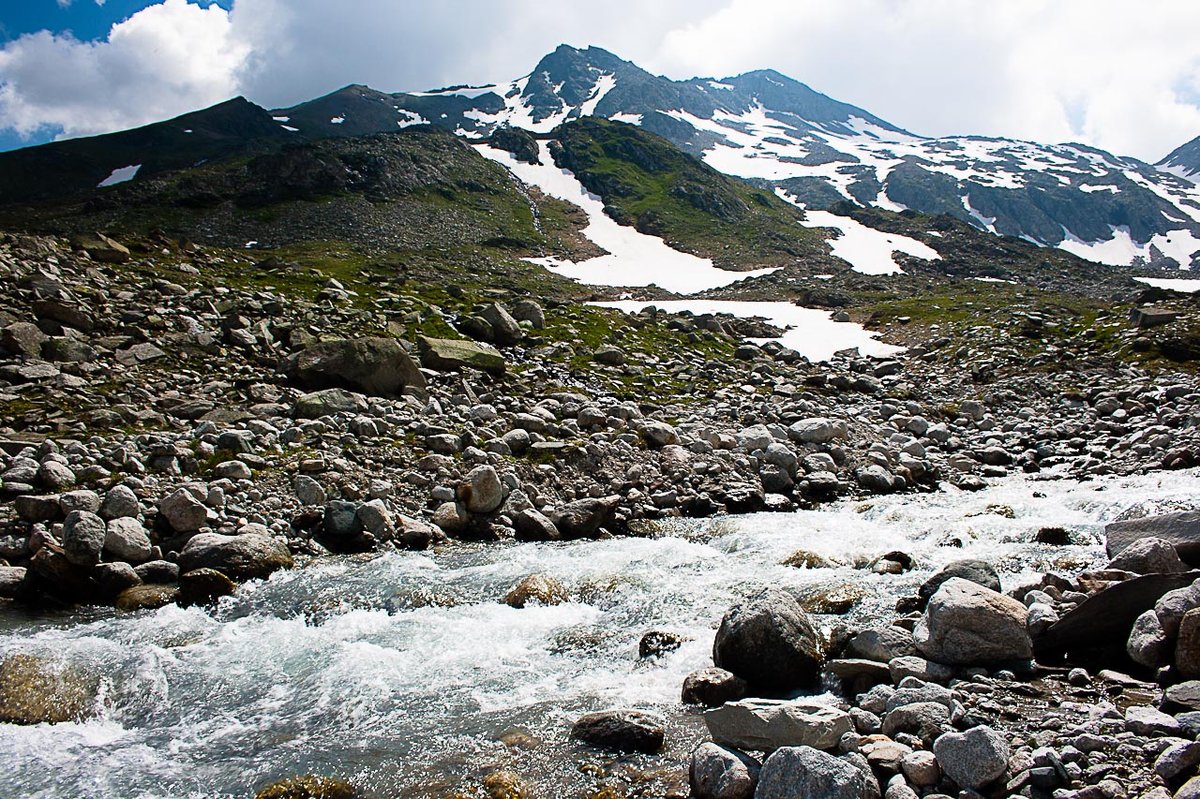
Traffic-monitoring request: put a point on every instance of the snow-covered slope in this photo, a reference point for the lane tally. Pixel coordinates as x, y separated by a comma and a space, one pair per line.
634, 258
767, 127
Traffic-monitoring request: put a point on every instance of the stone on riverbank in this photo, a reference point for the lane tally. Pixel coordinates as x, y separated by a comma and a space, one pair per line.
239, 557
966, 624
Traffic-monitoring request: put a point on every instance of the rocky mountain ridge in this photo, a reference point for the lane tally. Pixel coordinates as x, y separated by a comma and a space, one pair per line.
770, 128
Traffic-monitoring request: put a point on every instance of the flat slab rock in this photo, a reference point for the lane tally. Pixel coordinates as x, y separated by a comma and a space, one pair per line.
768, 724
1180, 529
1110, 614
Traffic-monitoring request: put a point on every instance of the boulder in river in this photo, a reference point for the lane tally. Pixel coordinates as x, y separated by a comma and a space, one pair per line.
240, 557
770, 642
967, 624
712, 687
1149, 555
540, 588
621, 730
146, 596
977, 571
309, 786
39, 690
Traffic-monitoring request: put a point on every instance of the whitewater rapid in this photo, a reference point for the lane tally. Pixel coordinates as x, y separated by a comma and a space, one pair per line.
401, 672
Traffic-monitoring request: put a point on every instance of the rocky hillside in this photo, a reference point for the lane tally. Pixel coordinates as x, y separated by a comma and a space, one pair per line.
1183, 161
78, 166
407, 190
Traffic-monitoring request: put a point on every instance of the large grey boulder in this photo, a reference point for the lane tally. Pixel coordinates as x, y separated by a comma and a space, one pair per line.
1182, 530
1149, 556
120, 502
720, 773
373, 365
966, 624
770, 642
445, 354
881, 644
83, 537
583, 518
482, 491
505, 329
974, 758
817, 431
329, 401
801, 771
126, 539
1148, 644
768, 724
183, 512
241, 557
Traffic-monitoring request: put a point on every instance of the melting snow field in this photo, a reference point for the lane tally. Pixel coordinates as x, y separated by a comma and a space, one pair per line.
403, 670
1178, 245
634, 259
121, 175
1187, 286
867, 250
809, 331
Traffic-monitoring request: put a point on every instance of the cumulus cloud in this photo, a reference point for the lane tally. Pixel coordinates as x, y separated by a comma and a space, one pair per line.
1103, 72
304, 47
167, 59
1097, 71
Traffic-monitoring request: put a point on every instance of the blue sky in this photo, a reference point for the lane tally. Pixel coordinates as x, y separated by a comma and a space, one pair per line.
86, 20
1089, 71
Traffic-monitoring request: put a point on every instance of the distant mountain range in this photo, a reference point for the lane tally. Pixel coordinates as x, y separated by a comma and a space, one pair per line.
762, 126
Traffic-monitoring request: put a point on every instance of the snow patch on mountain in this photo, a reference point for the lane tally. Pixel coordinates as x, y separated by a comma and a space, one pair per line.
410, 118
866, 249
809, 331
1180, 246
1182, 285
634, 258
603, 86
120, 175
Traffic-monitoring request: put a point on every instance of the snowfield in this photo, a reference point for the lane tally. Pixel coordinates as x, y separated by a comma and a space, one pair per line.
809, 331
121, 175
633, 259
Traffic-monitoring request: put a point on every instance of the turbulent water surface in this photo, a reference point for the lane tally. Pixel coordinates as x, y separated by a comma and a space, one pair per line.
402, 672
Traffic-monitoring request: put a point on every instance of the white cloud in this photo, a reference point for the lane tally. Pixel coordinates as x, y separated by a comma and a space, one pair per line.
1099, 71
165, 60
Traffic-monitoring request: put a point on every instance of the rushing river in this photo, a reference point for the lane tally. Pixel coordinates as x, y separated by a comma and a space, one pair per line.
403, 672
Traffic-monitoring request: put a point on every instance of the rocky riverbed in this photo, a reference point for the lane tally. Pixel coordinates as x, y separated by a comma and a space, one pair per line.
179, 421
